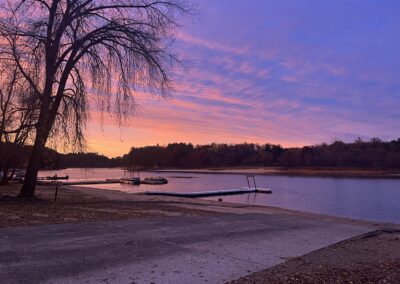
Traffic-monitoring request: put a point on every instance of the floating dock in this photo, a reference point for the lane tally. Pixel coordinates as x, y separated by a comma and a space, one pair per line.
81, 182
199, 194
244, 190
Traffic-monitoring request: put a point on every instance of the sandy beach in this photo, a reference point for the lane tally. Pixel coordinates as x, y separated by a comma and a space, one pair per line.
252, 236
75, 205
85, 204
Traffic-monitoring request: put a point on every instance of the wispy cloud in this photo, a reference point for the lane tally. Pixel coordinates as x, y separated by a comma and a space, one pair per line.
284, 73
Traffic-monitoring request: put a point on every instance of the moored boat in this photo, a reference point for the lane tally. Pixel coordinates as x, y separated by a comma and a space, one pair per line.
155, 180
130, 180
19, 175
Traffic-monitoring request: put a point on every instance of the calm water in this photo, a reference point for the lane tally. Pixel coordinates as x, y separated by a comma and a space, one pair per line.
368, 199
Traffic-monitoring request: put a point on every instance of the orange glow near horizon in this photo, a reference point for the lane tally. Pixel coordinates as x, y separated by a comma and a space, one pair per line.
280, 76
144, 130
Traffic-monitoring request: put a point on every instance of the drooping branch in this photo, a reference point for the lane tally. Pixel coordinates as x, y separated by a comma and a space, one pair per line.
66, 49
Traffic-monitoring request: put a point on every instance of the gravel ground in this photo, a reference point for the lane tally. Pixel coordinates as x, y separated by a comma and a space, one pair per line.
371, 258
73, 206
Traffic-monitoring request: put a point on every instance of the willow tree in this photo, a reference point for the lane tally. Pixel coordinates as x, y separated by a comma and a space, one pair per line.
69, 49
17, 118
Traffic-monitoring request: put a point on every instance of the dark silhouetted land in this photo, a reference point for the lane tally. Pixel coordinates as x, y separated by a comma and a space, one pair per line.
374, 156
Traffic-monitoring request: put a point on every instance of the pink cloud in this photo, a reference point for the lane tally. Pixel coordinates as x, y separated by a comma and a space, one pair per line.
182, 36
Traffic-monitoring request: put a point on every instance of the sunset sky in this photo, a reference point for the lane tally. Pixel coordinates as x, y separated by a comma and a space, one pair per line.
286, 72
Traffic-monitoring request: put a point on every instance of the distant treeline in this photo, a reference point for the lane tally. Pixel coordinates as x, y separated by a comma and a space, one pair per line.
359, 154
54, 160
87, 160
373, 154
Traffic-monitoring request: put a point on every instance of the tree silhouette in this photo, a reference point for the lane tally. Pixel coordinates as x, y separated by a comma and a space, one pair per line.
17, 118
65, 49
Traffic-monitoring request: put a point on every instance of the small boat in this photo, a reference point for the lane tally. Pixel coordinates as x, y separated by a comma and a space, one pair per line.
20, 173
130, 180
155, 180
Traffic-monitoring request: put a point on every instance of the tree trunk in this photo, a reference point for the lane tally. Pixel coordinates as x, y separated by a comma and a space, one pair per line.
4, 178
42, 134
28, 188
7, 176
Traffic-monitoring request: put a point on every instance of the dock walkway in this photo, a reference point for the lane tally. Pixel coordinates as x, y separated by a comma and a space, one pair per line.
80, 182
243, 190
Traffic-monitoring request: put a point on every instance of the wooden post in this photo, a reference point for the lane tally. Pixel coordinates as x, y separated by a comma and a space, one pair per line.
254, 181
248, 182
55, 195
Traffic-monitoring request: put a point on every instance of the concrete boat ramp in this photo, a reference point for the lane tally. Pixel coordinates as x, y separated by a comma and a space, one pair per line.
212, 248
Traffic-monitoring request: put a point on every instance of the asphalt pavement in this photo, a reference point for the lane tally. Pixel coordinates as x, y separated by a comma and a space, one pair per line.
193, 249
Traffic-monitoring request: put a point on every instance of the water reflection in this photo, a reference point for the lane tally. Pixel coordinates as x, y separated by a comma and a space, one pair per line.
369, 199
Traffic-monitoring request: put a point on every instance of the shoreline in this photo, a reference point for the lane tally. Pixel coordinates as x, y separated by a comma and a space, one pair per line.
296, 172
272, 171
115, 195
231, 207
227, 207
76, 195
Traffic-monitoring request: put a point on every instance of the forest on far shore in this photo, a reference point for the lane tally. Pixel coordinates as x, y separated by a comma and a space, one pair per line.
373, 154
359, 154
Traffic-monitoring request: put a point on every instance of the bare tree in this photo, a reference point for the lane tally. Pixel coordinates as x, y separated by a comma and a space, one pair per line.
17, 117
66, 49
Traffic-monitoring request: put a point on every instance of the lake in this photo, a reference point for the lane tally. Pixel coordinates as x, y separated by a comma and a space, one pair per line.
360, 198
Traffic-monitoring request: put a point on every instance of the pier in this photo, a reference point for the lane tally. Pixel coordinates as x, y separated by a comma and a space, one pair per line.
81, 182
243, 190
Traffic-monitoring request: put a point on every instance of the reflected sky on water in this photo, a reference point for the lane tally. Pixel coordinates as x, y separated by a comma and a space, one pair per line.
368, 199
